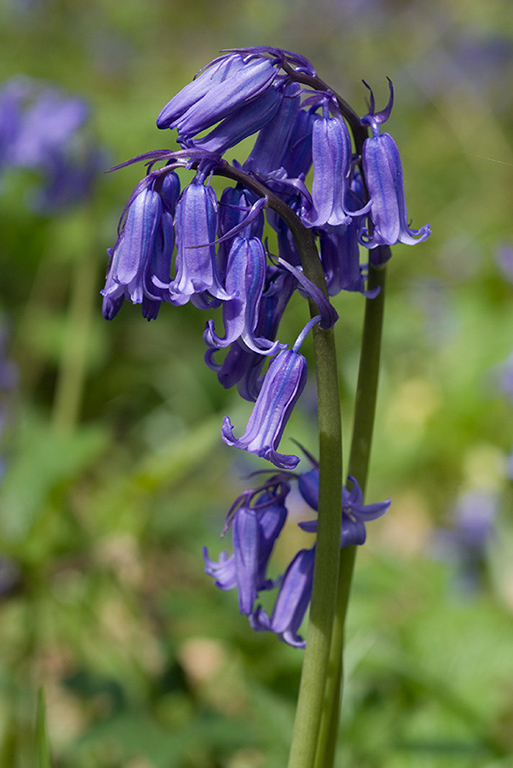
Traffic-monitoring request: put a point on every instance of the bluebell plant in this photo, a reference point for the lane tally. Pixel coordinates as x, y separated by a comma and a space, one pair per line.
333, 231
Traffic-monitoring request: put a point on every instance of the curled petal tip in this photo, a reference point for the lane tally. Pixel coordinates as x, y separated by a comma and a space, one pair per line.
383, 115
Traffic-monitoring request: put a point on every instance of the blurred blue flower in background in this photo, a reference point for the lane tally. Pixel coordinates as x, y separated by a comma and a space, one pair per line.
466, 542
45, 131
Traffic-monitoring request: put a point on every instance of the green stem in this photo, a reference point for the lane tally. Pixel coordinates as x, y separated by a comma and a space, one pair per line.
368, 377
365, 409
322, 610
315, 665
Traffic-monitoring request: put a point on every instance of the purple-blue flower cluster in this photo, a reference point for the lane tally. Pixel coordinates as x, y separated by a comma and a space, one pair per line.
44, 130
256, 519
187, 244
179, 245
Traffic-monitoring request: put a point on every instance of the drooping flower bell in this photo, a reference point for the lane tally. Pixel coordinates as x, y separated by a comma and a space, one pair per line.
282, 387
292, 601
273, 141
383, 172
245, 278
331, 153
296, 585
142, 255
228, 83
255, 525
196, 226
242, 366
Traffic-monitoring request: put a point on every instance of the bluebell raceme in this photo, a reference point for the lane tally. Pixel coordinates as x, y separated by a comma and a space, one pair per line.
185, 245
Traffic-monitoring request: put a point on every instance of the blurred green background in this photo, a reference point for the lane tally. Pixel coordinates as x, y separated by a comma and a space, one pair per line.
115, 473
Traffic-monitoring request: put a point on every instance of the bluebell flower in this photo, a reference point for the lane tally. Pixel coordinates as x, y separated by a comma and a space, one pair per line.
331, 154
242, 366
221, 89
234, 206
273, 140
297, 156
207, 78
255, 525
244, 121
257, 518
196, 226
340, 256
354, 512
245, 279
384, 179
292, 601
282, 386
134, 248
296, 585
221, 261
50, 120
142, 255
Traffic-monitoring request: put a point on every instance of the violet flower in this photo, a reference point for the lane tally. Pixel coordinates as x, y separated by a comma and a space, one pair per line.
282, 387
242, 122
206, 79
256, 524
354, 512
331, 153
134, 248
296, 585
141, 257
245, 278
272, 142
234, 81
241, 365
384, 178
196, 227
292, 601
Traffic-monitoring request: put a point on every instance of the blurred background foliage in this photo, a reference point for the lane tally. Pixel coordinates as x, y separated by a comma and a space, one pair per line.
114, 472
